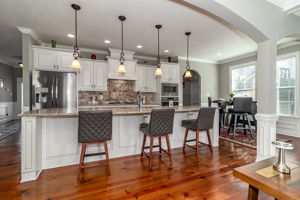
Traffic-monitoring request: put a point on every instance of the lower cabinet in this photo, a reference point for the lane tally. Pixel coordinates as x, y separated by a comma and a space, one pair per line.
146, 80
93, 76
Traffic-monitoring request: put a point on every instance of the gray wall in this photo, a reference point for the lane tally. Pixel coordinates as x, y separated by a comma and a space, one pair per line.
224, 69
9, 75
209, 78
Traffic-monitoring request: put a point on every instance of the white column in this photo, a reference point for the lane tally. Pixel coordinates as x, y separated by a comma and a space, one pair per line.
266, 99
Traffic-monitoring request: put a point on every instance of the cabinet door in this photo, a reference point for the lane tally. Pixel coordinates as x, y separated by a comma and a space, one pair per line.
44, 59
165, 73
150, 79
64, 61
175, 73
86, 78
100, 76
141, 79
130, 69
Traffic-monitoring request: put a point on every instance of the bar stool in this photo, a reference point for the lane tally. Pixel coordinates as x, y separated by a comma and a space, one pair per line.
95, 127
204, 122
242, 107
161, 125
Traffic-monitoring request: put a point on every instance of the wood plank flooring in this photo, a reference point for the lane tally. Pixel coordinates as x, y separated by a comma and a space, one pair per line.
208, 176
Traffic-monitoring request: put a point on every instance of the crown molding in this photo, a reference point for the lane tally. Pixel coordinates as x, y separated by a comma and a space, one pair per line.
198, 60
71, 48
6, 63
237, 58
29, 31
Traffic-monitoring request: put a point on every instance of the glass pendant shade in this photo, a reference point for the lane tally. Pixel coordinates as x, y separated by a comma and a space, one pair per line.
122, 68
188, 74
76, 64
158, 71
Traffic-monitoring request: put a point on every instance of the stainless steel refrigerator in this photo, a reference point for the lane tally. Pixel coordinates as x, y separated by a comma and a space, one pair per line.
54, 89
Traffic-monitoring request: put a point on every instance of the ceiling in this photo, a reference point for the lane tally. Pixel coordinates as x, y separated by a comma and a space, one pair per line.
288, 6
211, 40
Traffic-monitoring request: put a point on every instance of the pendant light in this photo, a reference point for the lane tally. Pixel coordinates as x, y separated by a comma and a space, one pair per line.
122, 68
158, 71
188, 73
76, 63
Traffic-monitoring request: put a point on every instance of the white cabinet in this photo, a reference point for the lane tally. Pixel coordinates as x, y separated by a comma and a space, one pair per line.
170, 73
52, 60
146, 80
130, 65
93, 76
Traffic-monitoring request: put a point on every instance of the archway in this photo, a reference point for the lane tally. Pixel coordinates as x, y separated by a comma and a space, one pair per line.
191, 89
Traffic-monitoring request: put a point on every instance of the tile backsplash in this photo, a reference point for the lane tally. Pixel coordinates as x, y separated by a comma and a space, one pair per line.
119, 92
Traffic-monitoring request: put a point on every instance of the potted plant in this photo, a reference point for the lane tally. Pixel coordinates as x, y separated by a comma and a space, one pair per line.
231, 95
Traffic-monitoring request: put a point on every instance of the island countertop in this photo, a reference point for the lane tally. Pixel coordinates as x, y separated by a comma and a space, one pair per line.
117, 111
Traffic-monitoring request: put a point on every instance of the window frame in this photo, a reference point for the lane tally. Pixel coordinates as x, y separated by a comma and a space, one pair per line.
297, 82
241, 66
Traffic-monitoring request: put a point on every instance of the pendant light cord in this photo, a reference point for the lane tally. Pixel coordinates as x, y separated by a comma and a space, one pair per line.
122, 60
76, 53
187, 53
158, 58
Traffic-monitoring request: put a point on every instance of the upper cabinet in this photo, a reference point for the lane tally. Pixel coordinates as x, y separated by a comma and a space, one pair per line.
146, 80
52, 60
170, 73
93, 76
113, 66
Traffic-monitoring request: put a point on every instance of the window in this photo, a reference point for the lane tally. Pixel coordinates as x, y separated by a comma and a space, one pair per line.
243, 80
286, 85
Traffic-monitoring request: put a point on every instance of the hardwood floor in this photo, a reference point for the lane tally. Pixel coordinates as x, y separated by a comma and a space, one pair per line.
208, 176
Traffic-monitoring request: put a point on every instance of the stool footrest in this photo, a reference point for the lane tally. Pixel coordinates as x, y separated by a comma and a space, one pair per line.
94, 154
191, 140
154, 146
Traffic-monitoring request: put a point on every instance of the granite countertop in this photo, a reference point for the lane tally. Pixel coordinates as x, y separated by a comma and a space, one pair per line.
117, 111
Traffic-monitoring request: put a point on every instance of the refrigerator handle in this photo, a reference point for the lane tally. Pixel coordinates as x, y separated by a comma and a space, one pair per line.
52, 93
56, 92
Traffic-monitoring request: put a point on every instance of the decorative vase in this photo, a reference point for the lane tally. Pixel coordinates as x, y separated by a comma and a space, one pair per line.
53, 43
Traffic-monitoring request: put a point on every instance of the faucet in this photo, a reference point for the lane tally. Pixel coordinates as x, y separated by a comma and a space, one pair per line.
139, 98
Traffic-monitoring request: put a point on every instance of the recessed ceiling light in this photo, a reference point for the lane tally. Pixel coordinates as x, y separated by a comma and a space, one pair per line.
139, 46
107, 41
219, 54
166, 51
71, 35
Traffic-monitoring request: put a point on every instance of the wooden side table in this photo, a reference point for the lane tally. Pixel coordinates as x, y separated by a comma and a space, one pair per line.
282, 186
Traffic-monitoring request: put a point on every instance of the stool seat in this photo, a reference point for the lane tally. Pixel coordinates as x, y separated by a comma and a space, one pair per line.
144, 127
188, 123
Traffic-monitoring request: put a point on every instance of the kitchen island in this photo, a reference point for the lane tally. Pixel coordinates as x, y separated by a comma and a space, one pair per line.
49, 136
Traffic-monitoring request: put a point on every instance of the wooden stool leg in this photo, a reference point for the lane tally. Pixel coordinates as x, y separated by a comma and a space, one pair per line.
209, 140
143, 145
169, 149
107, 158
151, 152
185, 138
83, 148
197, 142
81, 161
160, 151
252, 193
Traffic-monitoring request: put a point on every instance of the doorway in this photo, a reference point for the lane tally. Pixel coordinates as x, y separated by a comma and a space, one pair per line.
191, 89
